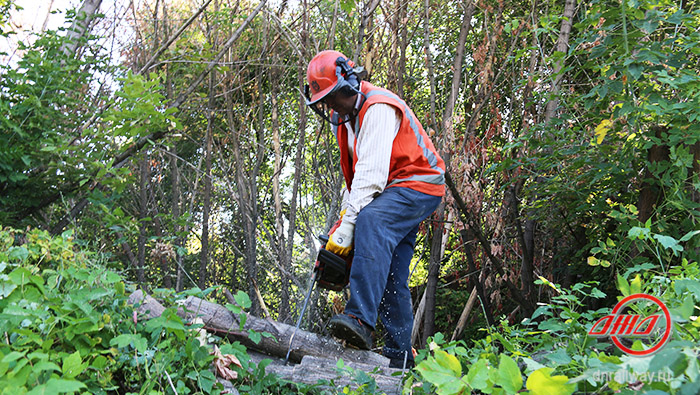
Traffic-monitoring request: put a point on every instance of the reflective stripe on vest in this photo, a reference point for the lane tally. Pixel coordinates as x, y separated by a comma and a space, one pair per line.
438, 179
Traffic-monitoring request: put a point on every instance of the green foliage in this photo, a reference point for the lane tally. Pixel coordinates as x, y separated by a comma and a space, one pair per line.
43, 102
551, 352
67, 327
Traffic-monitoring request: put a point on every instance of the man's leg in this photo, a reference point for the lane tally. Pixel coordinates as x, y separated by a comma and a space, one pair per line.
379, 229
396, 310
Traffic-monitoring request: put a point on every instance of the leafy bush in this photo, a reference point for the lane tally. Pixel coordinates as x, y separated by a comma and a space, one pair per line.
552, 353
66, 327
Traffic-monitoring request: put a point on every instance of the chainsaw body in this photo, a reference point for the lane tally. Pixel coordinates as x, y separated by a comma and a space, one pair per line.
332, 271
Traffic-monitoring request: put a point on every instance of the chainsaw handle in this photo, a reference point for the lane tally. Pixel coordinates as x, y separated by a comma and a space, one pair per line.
323, 238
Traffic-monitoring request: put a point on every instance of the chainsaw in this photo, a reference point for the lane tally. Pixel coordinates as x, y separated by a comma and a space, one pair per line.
330, 272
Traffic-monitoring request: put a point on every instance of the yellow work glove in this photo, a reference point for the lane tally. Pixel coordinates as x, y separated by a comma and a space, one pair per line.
340, 240
337, 223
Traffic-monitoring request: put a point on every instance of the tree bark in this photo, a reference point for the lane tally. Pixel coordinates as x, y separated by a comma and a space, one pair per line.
278, 241
429, 63
80, 27
464, 316
467, 237
367, 12
219, 320
433, 273
649, 193
143, 213
417, 321
164, 266
562, 45
440, 231
206, 208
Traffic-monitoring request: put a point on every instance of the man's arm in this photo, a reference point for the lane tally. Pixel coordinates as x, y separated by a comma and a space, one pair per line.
375, 141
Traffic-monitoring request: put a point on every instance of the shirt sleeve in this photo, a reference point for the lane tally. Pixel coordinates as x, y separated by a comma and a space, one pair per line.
374, 143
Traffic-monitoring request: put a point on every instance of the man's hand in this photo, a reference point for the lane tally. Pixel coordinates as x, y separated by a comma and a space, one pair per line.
338, 222
340, 240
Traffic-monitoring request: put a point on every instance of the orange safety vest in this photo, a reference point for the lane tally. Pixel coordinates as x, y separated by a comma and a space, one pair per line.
414, 162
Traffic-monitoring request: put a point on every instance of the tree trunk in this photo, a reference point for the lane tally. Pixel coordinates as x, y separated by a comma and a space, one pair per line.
80, 27
299, 170
429, 65
278, 240
164, 261
206, 209
367, 12
467, 237
464, 316
440, 231
649, 193
175, 191
221, 321
562, 45
143, 213
433, 273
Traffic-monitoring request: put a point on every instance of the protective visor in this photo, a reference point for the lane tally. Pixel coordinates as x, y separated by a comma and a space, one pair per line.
320, 107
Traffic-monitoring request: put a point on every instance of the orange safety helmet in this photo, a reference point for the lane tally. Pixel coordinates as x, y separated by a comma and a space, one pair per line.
329, 72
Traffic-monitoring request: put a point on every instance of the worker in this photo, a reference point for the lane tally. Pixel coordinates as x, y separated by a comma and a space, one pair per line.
394, 180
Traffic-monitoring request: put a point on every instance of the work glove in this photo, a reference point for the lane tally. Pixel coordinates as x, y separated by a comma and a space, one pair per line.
338, 222
340, 239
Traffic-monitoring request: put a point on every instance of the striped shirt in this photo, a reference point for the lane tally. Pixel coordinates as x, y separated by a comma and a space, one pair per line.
376, 138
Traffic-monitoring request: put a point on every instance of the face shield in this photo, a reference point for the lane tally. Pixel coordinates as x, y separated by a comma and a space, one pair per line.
320, 107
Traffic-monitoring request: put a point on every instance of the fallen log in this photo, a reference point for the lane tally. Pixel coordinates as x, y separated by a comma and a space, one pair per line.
314, 370
222, 322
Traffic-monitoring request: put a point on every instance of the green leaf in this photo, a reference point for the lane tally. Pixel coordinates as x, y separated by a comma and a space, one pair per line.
669, 243
72, 365
254, 336
635, 70
685, 310
541, 382
478, 375
6, 287
137, 341
13, 356
449, 361
690, 235
207, 381
623, 285
58, 386
439, 370
18, 254
46, 365
687, 284
638, 233
242, 299
636, 285
99, 363
20, 276
559, 357
509, 376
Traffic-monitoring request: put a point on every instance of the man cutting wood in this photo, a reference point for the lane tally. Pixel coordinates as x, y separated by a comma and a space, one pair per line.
394, 180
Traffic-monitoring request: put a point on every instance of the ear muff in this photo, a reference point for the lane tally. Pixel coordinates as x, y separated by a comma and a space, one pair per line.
348, 72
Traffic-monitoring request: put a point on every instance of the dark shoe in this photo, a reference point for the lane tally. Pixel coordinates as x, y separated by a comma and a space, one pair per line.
397, 363
352, 330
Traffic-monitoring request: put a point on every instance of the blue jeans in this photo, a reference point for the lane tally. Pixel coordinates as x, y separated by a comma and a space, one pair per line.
385, 235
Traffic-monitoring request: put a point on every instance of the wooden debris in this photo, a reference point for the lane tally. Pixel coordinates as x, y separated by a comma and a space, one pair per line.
315, 356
